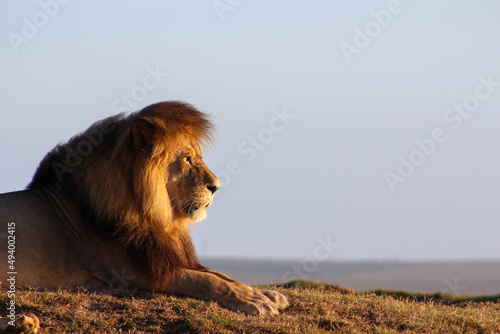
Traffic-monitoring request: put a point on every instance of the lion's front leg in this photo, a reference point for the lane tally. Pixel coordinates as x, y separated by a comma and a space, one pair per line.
226, 291
275, 296
220, 275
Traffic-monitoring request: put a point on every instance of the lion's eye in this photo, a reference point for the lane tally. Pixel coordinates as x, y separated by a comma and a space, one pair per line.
188, 159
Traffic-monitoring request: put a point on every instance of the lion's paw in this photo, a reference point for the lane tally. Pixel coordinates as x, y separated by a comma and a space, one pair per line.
277, 298
254, 301
24, 324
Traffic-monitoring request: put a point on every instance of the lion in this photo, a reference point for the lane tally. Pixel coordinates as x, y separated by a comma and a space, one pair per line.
114, 206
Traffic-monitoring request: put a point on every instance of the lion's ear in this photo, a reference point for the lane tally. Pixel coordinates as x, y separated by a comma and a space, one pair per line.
142, 133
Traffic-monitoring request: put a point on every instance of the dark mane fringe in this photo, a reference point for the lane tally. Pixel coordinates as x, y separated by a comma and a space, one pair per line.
68, 167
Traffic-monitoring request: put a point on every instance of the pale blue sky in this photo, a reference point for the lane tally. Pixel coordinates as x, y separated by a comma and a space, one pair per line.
321, 173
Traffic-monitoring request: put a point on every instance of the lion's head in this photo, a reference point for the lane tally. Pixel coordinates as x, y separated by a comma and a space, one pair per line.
146, 165
140, 177
166, 140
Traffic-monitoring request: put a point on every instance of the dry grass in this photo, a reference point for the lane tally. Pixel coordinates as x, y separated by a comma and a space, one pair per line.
315, 308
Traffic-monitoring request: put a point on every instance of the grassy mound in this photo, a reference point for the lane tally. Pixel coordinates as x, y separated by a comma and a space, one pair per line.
315, 308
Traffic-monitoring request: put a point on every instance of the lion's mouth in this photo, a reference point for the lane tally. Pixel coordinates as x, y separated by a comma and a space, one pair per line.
192, 208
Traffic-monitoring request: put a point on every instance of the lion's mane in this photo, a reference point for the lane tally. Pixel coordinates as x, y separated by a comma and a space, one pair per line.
115, 173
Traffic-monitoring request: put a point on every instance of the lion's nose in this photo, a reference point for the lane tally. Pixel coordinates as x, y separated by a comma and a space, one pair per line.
213, 188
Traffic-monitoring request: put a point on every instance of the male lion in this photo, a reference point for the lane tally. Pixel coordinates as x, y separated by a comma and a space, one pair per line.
119, 199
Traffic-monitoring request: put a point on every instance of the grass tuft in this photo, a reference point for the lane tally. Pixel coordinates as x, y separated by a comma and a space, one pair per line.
314, 308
